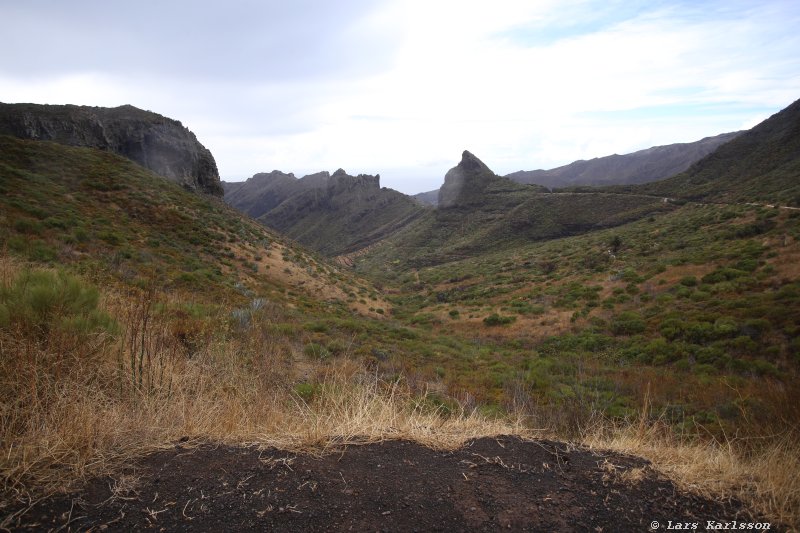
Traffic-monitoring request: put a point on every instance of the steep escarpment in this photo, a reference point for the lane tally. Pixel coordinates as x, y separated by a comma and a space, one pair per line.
153, 141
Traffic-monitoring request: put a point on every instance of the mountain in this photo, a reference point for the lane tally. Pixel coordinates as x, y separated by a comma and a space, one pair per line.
153, 141
166, 320
480, 211
266, 190
652, 164
428, 197
347, 214
761, 165
472, 183
334, 214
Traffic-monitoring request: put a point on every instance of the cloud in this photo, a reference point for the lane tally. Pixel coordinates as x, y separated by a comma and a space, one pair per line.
251, 41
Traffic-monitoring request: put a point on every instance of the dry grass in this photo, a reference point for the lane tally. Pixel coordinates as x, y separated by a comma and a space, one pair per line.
67, 413
764, 474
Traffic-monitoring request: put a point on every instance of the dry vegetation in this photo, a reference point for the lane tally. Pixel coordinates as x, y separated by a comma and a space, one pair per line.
81, 398
762, 473
77, 402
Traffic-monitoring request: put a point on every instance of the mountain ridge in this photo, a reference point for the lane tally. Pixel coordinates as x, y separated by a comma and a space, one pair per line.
651, 164
156, 142
333, 213
761, 165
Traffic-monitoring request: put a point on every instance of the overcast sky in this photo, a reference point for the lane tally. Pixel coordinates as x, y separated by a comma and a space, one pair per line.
401, 87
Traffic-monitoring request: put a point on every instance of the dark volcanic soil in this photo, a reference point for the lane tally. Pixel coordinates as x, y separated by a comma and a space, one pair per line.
489, 484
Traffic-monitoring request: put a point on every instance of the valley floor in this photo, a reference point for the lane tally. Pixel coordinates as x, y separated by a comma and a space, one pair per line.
488, 484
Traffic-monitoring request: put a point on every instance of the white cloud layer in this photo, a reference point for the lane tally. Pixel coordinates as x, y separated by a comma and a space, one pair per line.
400, 87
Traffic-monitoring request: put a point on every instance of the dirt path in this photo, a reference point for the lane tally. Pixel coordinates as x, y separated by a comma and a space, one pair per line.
488, 485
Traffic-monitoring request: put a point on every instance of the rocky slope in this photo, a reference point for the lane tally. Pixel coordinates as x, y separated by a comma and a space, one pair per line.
644, 166
262, 192
153, 141
331, 213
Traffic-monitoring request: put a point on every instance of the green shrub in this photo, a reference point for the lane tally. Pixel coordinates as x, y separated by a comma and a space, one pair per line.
28, 226
41, 252
306, 391
628, 323
723, 274
496, 320
337, 347
38, 301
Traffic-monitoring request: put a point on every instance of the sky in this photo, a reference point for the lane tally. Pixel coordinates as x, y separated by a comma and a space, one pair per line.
401, 87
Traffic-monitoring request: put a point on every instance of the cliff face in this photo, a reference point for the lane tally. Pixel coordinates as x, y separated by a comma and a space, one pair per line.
156, 142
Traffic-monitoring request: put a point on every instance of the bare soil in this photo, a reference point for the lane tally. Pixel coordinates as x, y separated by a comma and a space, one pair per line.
487, 485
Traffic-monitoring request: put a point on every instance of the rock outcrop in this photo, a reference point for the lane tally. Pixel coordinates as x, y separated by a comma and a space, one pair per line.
471, 182
158, 143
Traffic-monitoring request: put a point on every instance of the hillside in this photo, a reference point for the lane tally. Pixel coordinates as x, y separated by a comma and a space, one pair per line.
136, 316
153, 141
651, 164
333, 214
104, 216
479, 211
427, 198
761, 165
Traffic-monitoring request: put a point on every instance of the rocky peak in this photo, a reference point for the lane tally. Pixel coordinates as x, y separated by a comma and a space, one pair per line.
465, 182
342, 182
156, 142
472, 164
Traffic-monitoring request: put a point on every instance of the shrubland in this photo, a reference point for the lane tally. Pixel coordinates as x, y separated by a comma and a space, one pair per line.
134, 314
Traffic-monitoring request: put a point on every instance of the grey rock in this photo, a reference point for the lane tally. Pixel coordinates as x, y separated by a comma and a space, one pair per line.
155, 142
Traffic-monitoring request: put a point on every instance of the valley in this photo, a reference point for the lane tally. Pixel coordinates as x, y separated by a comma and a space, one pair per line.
140, 313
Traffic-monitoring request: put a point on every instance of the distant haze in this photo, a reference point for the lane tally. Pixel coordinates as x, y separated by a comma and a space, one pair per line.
401, 87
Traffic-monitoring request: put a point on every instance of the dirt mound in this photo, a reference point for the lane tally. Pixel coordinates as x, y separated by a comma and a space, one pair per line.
488, 484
